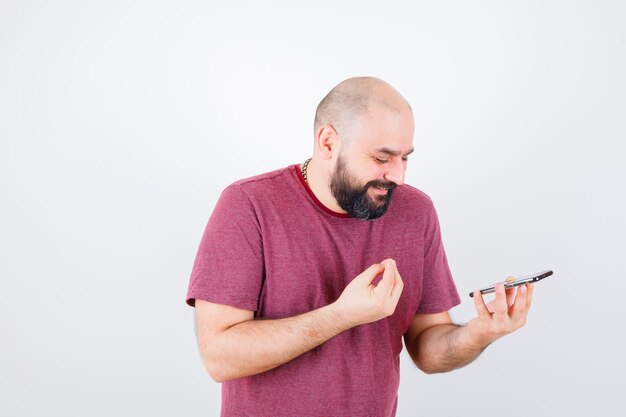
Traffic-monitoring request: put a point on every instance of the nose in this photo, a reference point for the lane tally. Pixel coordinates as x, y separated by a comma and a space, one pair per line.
395, 171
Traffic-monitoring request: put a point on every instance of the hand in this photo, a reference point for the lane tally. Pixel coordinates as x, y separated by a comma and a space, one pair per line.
505, 314
363, 302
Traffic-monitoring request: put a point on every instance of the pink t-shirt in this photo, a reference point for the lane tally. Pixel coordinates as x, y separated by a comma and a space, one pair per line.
271, 247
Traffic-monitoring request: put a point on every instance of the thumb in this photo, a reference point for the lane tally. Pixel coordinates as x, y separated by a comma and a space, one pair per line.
389, 277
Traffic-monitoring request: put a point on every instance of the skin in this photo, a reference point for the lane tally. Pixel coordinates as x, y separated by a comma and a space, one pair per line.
375, 144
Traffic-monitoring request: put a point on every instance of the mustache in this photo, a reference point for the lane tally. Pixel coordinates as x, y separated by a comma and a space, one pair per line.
388, 185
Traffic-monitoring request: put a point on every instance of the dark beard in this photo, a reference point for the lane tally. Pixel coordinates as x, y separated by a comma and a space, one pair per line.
354, 199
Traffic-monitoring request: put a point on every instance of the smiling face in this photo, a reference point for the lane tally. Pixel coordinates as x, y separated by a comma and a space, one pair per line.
372, 160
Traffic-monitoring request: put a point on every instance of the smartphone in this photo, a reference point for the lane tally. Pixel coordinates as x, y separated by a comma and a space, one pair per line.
519, 281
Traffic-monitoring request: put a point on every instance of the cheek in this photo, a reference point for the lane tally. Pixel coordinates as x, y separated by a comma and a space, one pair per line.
368, 170
377, 172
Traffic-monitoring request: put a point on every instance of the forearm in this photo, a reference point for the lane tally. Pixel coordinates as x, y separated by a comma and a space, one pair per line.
256, 346
234, 345
446, 347
443, 347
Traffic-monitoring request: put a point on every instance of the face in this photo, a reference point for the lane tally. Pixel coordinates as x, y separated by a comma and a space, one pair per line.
372, 163
355, 198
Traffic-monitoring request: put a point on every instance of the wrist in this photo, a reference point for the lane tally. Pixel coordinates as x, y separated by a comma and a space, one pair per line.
340, 316
475, 338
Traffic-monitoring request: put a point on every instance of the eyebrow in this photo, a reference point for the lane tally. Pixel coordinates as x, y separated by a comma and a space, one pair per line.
391, 152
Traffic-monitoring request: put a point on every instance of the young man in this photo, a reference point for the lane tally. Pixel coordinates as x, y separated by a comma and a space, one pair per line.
308, 277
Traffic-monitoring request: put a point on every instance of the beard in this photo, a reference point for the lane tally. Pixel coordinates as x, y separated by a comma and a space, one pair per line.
354, 199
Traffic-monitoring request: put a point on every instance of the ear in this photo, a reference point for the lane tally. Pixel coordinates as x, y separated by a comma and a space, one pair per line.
326, 141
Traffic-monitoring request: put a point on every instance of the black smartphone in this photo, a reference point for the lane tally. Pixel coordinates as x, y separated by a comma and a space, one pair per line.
519, 281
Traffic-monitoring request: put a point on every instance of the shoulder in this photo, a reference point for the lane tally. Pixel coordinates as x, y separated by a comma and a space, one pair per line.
266, 184
409, 197
265, 179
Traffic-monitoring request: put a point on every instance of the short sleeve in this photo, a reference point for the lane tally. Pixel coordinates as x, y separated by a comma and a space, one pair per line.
228, 268
439, 293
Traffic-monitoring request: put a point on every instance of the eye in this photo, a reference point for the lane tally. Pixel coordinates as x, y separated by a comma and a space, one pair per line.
381, 161
405, 158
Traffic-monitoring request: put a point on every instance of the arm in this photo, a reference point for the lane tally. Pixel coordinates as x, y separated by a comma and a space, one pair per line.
437, 345
232, 344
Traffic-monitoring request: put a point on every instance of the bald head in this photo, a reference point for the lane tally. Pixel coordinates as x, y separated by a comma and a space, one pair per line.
355, 97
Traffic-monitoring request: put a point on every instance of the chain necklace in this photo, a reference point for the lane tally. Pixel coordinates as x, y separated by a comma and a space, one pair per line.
303, 169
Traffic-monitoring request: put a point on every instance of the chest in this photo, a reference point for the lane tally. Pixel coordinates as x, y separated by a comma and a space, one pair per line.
307, 264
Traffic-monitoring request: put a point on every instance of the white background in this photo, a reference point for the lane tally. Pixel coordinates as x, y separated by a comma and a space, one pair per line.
121, 122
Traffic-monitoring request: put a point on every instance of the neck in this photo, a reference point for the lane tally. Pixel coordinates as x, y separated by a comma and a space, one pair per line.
318, 179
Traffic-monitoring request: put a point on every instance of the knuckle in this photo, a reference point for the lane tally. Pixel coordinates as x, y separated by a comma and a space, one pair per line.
380, 304
390, 310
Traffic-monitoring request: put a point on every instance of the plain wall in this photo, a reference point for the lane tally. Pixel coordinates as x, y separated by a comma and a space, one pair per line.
122, 121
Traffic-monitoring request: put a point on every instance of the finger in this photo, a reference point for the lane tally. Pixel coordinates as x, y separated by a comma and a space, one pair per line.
510, 292
529, 296
500, 306
369, 275
490, 305
386, 284
510, 296
398, 286
391, 264
520, 307
479, 303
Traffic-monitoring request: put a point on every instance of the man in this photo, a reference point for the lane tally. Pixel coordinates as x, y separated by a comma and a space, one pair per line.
308, 277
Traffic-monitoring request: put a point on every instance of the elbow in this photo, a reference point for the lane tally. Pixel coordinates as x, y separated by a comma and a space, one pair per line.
217, 372
430, 370
425, 367
216, 375
430, 365
219, 378
216, 369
